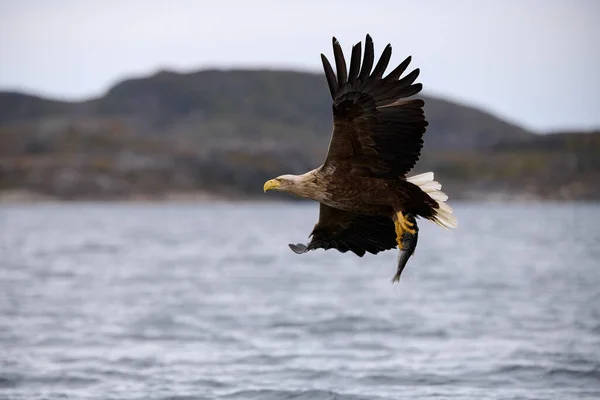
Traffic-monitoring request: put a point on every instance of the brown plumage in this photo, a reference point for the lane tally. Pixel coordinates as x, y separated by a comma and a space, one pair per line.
368, 204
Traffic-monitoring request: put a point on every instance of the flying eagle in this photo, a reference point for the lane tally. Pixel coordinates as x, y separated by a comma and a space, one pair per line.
367, 202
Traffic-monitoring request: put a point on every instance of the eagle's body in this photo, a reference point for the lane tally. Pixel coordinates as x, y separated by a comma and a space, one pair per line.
337, 187
368, 204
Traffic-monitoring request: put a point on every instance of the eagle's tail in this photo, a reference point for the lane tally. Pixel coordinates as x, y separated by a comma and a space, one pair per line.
444, 216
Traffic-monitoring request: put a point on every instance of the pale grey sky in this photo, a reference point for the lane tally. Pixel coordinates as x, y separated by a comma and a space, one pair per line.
534, 62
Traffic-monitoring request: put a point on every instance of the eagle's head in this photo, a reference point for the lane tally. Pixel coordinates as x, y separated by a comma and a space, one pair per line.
283, 183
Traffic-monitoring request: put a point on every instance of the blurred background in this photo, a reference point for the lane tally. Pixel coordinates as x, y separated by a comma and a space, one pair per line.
130, 99
141, 259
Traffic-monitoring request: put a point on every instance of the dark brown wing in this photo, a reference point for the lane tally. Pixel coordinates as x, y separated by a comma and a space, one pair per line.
342, 230
375, 131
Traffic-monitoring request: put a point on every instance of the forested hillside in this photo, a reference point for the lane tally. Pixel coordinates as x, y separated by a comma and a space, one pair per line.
225, 132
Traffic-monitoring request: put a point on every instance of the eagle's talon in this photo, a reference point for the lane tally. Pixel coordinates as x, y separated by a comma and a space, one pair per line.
409, 230
403, 226
407, 226
399, 232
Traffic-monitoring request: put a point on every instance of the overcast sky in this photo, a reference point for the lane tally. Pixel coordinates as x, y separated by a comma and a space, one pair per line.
533, 62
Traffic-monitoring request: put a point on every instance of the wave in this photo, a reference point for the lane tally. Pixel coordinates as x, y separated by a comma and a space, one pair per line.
266, 394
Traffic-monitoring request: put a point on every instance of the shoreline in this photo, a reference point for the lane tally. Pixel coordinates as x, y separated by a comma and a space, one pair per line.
23, 197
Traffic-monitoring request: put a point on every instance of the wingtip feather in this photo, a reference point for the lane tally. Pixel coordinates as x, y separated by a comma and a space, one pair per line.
355, 62
383, 62
368, 59
340, 63
329, 75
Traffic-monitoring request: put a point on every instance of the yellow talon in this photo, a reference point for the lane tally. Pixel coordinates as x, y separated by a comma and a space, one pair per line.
402, 226
399, 233
407, 226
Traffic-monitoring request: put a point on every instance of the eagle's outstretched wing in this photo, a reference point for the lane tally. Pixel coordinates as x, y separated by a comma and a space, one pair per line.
376, 131
342, 230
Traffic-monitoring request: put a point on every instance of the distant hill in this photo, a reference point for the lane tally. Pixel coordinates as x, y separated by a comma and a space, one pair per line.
247, 105
225, 132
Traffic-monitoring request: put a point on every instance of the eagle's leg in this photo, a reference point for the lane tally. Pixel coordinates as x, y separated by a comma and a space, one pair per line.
403, 226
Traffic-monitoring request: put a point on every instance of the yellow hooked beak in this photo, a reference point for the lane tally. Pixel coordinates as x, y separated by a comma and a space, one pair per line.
272, 184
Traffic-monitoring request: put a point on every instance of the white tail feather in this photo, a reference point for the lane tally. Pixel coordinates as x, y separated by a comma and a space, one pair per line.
421, 179
444, 215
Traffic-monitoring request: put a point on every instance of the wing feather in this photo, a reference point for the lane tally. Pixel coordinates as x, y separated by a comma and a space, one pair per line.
354, 63
340, 63
377, 130
330, 75
368, 59
346, 231
399, 70
383, 63
392, 90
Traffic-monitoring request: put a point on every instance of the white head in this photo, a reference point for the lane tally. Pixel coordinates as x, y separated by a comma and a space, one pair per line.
284, 183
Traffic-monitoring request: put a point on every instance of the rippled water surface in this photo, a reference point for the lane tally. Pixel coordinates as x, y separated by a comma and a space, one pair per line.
185, 301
